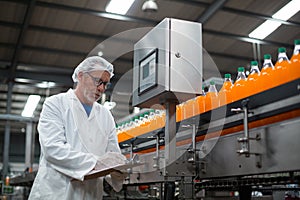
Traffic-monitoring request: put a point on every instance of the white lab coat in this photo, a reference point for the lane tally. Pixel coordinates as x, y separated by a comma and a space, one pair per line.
70, 143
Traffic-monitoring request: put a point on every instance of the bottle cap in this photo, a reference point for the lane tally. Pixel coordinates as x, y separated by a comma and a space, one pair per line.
296, 42
254, 63
241, 69
267, 56
227, 75
281, 50
212, 82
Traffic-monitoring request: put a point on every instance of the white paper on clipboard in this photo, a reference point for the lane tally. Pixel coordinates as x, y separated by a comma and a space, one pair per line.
103, 172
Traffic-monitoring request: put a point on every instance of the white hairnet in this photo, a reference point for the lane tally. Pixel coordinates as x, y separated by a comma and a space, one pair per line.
93, 63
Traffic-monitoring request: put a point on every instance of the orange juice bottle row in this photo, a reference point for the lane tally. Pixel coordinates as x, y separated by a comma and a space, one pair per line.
270, 76
140, 124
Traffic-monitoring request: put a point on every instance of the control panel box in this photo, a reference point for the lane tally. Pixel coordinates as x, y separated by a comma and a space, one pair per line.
168, 63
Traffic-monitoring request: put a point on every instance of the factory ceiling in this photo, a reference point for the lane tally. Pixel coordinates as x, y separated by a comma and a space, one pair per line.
43, 41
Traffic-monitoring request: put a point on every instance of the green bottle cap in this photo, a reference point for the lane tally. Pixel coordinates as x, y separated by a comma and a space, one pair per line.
296, 42
281, 50
267, 56
241, 69
227, 75
254, 63
212, 82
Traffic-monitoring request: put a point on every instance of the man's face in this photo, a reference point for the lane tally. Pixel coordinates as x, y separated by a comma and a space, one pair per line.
93, 85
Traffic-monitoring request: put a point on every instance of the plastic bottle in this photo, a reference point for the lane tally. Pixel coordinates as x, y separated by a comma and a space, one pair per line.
134, 126
295, 62
119, 128
225, 92
179, 112
189, 108
211, 99
152, 120
200, 103
139, 128
252, 80
266, 79
161, 120
145, 122
239, 89
124, 134
282, 73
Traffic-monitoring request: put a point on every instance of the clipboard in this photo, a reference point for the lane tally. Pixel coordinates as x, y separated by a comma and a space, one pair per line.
103, 172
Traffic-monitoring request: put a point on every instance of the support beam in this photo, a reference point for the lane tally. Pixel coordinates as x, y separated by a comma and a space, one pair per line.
19, 44
211, 10
29, 146
7, 133
11, 117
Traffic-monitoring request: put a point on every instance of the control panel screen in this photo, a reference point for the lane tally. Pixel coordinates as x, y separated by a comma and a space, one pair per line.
148, 72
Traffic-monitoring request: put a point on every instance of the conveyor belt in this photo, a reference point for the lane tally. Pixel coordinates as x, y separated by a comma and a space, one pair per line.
274, 105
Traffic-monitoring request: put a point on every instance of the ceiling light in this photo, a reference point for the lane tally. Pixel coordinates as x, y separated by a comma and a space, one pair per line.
100, 53
30, 106
119, 6
149, 6
265, 29
285, 13
46, 84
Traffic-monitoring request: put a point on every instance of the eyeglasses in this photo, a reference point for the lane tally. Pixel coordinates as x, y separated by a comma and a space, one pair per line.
98, 81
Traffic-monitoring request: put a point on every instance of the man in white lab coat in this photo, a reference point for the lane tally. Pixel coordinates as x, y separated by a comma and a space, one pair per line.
75, 133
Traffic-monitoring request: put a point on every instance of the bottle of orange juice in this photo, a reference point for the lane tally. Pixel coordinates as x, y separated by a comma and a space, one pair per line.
153, 120
225, 92
129, 128
282, 73
160, 118
189, 108
200, 103
145, 122
266, 79
135, 127
211, 99
295, 61
239, 87
179, 112
252, 83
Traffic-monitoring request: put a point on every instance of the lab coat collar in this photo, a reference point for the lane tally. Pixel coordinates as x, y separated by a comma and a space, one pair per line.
74, 100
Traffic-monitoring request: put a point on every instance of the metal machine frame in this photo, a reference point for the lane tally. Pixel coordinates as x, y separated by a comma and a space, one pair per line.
257, 140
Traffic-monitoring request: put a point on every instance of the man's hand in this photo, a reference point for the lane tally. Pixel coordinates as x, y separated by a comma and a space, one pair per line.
116, 179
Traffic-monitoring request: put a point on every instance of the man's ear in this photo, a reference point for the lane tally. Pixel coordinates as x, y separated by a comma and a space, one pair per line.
79, 76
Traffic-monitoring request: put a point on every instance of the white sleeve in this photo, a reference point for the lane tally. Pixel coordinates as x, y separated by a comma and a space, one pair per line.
57, 151
113, 144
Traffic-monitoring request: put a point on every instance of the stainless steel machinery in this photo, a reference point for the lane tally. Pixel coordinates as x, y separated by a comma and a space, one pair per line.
250, 144
168, 63
254, 146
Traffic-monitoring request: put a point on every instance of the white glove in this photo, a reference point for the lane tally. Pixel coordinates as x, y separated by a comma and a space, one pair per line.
115, 179
110, 159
